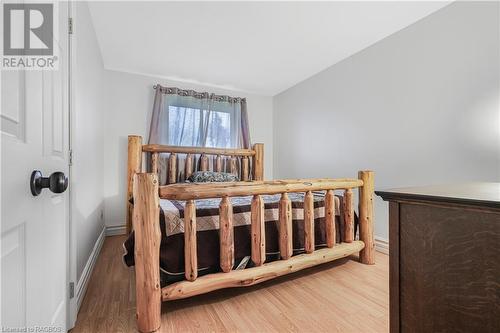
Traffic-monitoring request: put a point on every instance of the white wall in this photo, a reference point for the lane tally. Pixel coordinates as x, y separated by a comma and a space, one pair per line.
87, 138
419, 107
130, 101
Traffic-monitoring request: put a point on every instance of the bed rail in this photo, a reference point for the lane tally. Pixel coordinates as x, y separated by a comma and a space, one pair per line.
197, 150
193, 191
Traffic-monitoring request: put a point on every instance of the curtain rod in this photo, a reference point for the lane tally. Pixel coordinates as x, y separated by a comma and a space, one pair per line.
156, 86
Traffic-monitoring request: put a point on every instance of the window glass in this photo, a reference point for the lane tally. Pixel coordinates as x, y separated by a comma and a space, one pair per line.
185, 126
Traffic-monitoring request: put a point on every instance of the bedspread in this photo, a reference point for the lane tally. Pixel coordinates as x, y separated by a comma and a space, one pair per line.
207, 225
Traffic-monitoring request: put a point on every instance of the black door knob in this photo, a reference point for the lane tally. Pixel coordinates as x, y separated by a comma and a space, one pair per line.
56, 182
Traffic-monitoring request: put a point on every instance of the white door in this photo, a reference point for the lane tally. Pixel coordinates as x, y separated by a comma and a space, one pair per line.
34, 229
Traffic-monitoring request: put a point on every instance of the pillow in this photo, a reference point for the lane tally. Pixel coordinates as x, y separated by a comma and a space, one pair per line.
211, 177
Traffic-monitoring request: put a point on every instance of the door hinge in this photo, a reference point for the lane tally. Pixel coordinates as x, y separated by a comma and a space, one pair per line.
71, 290
70, 25
70, 157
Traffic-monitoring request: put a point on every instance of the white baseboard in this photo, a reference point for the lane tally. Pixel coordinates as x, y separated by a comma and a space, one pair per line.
381, 245
81, 286
115, 230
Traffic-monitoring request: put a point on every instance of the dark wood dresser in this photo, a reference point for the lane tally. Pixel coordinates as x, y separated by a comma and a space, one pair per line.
444, 248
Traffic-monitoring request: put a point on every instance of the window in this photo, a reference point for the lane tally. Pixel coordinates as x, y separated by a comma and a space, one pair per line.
187, 126
199, 119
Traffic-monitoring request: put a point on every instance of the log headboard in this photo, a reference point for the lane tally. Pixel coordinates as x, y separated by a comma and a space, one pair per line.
239, 163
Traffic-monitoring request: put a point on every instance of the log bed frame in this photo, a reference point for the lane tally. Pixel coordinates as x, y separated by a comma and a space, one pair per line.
143, 217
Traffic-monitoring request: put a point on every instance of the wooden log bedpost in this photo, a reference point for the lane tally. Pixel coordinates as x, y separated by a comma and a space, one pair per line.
218, 163
203, 162
285, 227
154, 163
367, 254
330, 218
188, 168
258, 161
134, 165
258, 231
309, 222
233, 165
348, 216
226, 235
172, 168
190, 249
146, 213
244, 168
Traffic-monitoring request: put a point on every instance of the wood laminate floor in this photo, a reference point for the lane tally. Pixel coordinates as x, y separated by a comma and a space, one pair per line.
343, 296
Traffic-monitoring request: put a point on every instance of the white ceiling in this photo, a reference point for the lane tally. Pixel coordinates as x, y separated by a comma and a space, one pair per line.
256, 47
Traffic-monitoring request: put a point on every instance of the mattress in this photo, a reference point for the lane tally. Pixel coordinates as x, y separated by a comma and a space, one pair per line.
207, 225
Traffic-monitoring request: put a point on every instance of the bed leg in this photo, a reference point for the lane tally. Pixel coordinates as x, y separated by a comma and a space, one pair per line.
147, 252
367, 255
